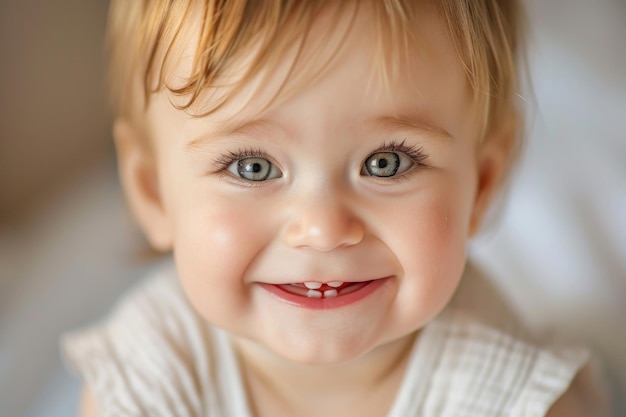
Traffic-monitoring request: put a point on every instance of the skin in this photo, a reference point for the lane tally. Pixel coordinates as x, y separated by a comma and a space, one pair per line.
321, 217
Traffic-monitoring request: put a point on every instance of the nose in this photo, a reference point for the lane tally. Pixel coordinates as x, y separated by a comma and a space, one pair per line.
323, 223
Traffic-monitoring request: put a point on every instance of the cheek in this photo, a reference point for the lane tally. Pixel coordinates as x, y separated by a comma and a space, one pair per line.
214, 245
435, 236
429, 241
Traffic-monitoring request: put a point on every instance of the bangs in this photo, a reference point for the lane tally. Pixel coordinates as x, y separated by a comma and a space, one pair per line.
249, 41
238, 41
488, 36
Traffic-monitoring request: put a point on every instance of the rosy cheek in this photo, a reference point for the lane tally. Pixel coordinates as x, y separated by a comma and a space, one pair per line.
435, 231
213, 250
430, 247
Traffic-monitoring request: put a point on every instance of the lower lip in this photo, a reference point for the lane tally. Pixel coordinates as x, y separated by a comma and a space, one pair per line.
325, 303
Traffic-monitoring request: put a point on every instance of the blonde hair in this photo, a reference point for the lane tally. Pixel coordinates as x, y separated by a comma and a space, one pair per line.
144, 35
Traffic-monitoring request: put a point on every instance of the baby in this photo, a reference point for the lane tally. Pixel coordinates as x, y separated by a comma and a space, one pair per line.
316, 169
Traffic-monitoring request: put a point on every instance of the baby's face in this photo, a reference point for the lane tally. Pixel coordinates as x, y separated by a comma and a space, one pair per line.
335, 222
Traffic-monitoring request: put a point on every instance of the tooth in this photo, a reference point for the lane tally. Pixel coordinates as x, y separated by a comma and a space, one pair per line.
335, 284
314, 294
313, 285
330, 293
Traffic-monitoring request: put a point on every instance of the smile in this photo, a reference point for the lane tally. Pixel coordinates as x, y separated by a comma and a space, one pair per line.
325, 296
320, 290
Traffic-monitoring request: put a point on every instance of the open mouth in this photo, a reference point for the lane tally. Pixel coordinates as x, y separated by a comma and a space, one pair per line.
320, 290
325, 296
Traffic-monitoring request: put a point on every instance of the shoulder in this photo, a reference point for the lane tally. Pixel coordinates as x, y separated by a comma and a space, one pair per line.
585, 397
88, 407
151, 317
490, 361
568, 405
151, 351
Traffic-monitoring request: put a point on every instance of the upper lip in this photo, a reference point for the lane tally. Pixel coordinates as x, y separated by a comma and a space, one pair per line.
326, 281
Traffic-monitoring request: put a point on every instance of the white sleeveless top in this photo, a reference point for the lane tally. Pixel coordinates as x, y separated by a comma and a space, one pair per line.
154, 356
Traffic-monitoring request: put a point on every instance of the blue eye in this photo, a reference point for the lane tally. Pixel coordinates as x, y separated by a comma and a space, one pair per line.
254, 169
386, 164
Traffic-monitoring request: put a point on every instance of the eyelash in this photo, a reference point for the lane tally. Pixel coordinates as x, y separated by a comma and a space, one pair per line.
225, 160
415, 153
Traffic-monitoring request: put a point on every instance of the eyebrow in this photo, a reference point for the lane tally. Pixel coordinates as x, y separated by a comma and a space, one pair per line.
229, 129
415, 124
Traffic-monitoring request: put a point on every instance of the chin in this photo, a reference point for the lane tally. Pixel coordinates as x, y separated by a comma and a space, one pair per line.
318, 359
320, 352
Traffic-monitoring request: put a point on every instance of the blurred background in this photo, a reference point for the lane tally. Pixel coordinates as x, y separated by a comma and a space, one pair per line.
68, 247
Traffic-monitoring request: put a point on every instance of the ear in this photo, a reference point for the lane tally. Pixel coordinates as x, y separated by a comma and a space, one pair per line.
140, 181
495, 158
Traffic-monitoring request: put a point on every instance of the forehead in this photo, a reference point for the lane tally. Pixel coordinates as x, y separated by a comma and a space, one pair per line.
344, 48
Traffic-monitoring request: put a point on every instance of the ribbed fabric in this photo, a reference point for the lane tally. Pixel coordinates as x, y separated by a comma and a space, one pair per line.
463, 368
155, 357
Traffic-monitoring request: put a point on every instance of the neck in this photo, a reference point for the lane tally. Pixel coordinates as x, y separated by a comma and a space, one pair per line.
371, 381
